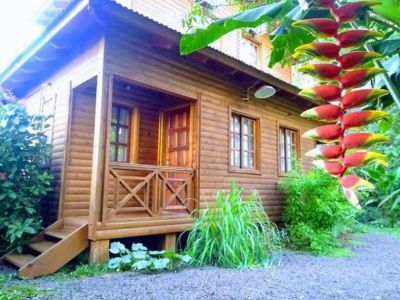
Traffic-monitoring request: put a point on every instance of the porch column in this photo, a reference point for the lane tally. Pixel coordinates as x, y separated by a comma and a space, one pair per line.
100, 145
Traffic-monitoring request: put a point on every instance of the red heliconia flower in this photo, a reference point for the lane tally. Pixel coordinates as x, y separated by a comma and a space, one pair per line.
325, 51
326, 152
327, 92
349, 11
362, 139
332, 167
322, 71
336, 158
362, 158
321, 27
361, 97
361, 118
357, 58
353, 38
358, 77
355, 182
327, 133
325, 113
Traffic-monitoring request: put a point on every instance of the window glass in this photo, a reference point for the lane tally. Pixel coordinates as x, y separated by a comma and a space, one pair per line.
242, 142
287, 148
249, 52
119, 137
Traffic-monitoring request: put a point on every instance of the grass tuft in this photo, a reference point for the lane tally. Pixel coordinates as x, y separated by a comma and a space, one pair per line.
235, 234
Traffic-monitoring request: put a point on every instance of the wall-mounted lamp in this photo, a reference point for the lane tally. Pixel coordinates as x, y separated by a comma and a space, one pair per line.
264, 91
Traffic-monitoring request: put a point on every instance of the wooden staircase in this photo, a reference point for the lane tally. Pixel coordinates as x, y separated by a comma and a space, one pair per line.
51, 249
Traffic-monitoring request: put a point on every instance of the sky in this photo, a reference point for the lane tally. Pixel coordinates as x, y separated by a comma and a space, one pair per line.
17, 27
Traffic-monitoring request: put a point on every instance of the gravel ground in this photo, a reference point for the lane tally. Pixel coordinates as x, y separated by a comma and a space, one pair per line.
373, 272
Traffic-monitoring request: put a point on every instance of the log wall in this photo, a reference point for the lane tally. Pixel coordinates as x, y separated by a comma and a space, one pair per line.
219, 94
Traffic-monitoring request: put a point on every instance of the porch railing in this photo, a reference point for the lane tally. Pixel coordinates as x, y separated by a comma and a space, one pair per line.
149, 191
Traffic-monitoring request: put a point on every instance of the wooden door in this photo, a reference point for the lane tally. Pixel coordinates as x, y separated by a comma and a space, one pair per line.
176, 186
177, 137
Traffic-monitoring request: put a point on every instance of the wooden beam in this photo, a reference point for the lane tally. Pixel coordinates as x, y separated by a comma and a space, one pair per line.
99, 251
161, 42
100, 157
198, 57
169, 242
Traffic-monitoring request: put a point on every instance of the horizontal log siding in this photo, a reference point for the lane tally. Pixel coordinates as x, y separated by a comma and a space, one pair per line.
165, 70
79, 166
70, 74
78, 176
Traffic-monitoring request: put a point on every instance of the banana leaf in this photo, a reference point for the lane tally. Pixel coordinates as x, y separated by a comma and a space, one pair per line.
251, 18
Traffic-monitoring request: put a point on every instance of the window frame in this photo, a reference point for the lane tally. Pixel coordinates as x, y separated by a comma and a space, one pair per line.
297, 145
133, 132
258, 45
257, 153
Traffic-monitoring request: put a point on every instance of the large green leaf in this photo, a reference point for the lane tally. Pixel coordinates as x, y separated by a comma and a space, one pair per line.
389, 9
251, 18
389, 46
283, 45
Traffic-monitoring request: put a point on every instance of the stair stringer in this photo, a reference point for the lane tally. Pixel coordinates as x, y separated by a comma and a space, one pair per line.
57, 256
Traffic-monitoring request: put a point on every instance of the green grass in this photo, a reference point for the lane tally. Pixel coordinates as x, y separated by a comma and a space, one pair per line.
80, 271
13, 289
392, 231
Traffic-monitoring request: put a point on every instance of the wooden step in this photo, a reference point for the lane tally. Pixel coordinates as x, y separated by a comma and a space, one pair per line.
61, 232
76, 222
41, 246
20, 260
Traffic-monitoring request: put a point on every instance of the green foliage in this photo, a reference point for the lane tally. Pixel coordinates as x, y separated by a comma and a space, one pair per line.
283, 45
251, 18
316, 212
11, 290
140, 258
386, 197
236, 233
24, 179
389, 9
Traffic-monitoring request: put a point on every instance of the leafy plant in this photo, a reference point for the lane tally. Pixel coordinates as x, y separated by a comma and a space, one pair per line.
316, 212
236, 233
253, 17
384, 201
24, 178
140, 258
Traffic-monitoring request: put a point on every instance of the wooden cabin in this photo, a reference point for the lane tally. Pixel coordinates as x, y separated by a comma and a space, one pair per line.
142, 136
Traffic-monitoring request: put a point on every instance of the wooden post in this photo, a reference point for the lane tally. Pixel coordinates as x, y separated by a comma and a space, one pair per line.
170, 242
100, 157
99, 251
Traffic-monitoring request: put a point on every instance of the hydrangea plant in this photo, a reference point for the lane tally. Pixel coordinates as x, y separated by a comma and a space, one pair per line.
140, 258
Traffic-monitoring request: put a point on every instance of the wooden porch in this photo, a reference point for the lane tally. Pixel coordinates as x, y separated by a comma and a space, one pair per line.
143, 166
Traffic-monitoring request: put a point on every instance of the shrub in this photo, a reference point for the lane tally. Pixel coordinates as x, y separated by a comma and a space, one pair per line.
236, 233
139, 258
316, 212
24, 179
386, 197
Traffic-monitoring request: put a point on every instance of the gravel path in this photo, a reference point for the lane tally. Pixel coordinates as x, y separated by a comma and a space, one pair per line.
373, 272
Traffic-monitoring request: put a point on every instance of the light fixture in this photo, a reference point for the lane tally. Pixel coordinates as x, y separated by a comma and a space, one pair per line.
264, 91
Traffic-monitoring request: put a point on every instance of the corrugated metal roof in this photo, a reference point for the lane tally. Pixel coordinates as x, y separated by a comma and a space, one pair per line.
214, 48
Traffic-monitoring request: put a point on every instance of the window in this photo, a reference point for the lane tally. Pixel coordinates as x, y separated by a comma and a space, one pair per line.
120, 132
287, 148
249, 51
243, 142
